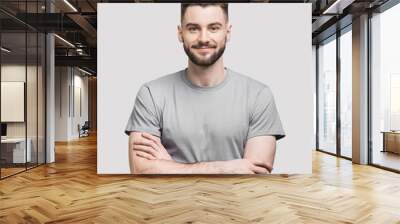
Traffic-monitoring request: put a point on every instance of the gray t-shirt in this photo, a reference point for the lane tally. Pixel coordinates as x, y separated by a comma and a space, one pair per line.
197, 124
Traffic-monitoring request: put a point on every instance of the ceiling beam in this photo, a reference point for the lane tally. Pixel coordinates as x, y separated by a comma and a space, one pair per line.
85, 61
337, 7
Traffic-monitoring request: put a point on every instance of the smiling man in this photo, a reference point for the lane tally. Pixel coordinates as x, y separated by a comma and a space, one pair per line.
206, 118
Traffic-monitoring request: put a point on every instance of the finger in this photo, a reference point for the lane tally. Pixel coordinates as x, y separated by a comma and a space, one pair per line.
260, 170
151, 137
145, 155
146, 142
146, 149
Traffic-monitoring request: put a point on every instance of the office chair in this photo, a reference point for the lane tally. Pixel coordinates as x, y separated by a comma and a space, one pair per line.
84, 130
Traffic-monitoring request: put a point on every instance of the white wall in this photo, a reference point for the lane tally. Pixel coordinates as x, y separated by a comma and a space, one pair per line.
80, 83
68, 79
61, 103
17, 72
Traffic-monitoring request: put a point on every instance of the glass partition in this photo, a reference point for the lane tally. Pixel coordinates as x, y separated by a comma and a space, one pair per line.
346, 93
327, 96
22, 77
35, 50
32, 95
13, 104
41, 109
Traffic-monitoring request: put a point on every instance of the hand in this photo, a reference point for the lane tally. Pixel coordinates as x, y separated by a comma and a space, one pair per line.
244, 166
150, 147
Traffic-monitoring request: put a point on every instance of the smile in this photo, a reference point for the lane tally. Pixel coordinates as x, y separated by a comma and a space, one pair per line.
204, 50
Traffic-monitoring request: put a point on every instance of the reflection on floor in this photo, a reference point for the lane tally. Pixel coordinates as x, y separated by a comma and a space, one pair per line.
347, 152
10, 169
386, 159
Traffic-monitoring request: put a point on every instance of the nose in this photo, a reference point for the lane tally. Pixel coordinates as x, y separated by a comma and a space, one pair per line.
204, 36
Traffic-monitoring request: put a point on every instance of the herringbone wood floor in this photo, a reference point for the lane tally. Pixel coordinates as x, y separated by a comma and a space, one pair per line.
70, 191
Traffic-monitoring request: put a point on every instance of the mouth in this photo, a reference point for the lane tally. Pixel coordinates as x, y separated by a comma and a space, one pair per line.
204, 49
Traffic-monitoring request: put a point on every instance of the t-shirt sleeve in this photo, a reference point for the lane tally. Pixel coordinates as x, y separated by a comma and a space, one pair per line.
144, 116
264, 117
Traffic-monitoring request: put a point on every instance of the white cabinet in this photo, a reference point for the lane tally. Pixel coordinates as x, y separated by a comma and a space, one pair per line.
17, 146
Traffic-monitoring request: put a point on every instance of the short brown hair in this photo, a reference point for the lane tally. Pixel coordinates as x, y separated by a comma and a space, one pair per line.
224, 7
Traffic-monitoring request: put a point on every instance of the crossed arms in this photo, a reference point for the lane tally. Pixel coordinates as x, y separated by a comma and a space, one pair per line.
148, 156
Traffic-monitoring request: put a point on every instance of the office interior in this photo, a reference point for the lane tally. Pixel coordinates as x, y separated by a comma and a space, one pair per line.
49, 96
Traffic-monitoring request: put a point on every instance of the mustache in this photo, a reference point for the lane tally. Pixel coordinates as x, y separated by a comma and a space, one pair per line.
201, 45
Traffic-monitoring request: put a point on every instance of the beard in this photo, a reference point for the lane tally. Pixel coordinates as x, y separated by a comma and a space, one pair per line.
201, 61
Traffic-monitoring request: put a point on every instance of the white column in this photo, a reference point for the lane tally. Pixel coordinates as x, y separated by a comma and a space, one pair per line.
50, 100
50, 92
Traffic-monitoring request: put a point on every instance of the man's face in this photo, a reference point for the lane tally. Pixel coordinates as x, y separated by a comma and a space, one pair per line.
204, 32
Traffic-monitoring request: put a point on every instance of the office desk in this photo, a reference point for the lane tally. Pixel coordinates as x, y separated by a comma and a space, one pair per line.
13, 150
391, 141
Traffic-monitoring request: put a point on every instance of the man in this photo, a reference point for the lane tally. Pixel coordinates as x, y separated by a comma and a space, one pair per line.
206, 118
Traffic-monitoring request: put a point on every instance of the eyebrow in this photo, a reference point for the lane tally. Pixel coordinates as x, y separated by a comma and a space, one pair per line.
197, 25
192, 24
216, 23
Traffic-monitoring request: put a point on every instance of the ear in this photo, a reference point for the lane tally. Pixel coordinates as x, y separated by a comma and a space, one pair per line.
180, 34
228, 32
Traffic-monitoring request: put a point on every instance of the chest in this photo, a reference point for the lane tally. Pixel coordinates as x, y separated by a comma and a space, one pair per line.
205, 117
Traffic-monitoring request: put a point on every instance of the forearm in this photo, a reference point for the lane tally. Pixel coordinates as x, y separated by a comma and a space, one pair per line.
148, 156
172, 167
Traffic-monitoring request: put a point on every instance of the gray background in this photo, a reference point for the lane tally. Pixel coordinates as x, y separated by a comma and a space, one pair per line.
270, 42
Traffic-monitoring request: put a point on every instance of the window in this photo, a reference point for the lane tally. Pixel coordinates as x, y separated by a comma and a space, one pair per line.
327, 96
385, 88
346, 93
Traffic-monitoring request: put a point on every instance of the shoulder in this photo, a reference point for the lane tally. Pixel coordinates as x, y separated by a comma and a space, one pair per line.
157, 90
253, 86
163, 82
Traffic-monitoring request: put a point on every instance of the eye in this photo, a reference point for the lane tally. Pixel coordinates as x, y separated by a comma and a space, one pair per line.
192, 29
214, 28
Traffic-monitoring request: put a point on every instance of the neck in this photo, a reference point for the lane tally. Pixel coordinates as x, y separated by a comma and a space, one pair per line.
206, 76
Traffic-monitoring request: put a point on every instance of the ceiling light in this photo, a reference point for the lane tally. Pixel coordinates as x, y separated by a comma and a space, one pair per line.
64, 40
84, 71
337, 7
70, 5
5, 50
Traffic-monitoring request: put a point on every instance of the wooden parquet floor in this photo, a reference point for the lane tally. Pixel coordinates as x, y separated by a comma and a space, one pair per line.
70, 191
